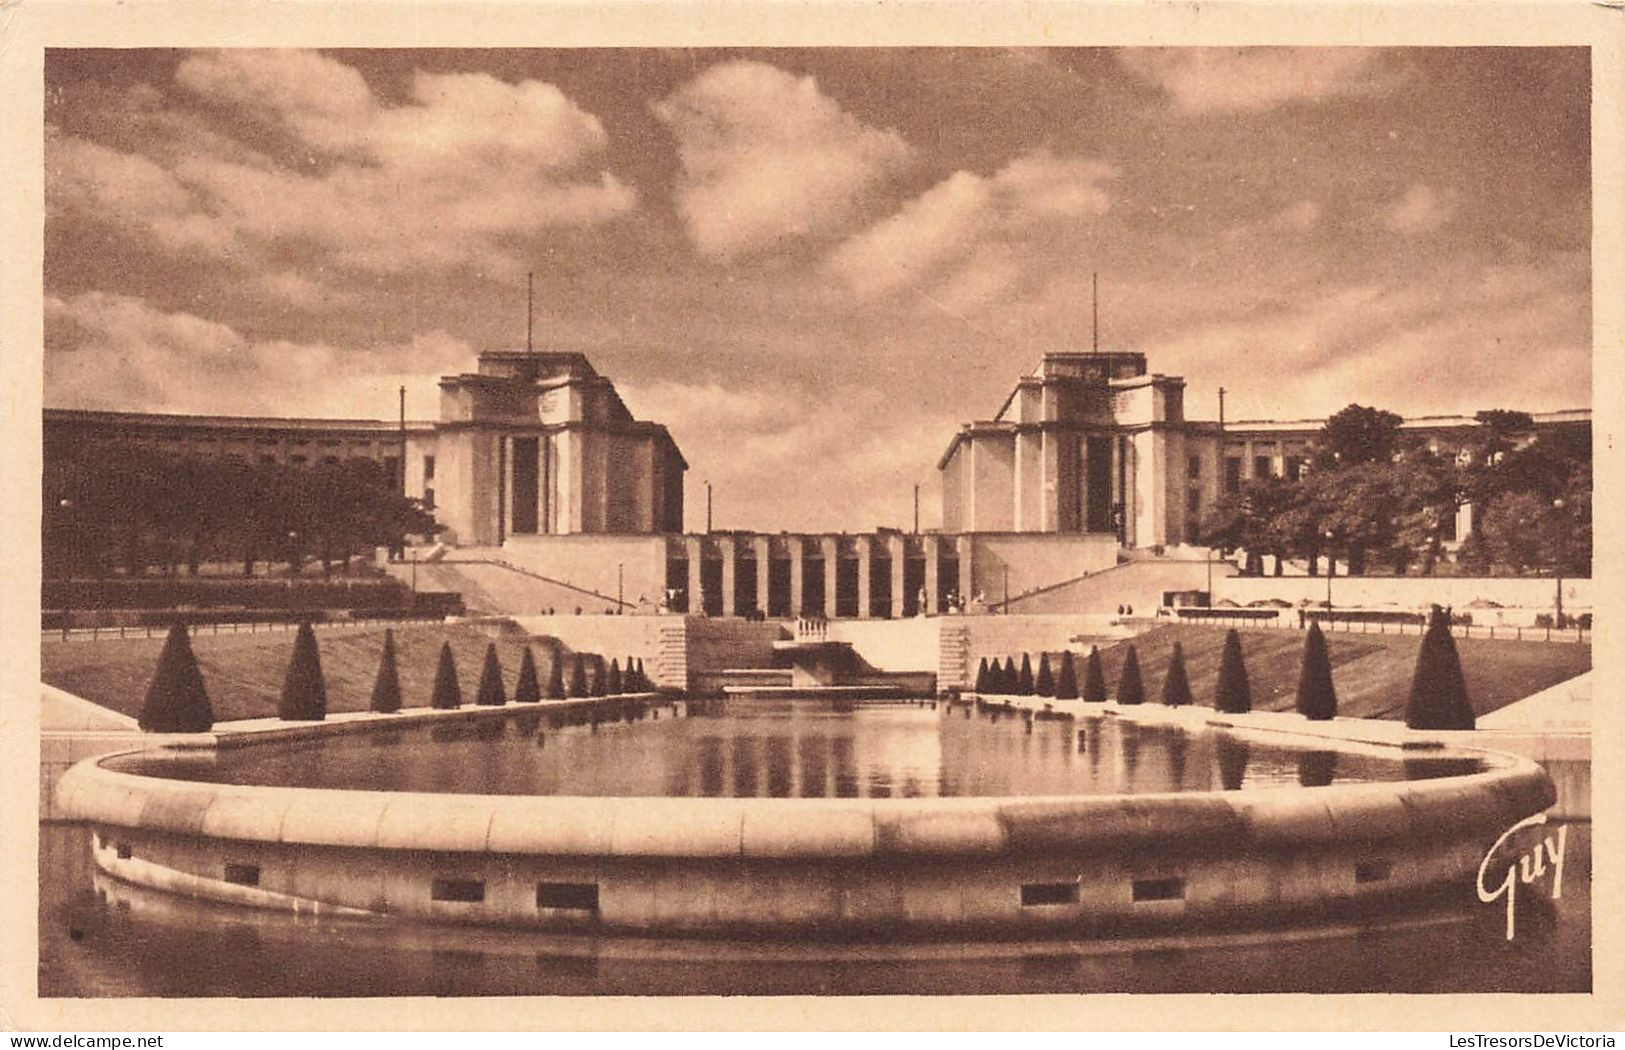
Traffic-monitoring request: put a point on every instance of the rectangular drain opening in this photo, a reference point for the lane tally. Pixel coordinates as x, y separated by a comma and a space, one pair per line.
462, 891
1159, 889
1373, 870
123, 850
243, 874
1049, 893
574, 896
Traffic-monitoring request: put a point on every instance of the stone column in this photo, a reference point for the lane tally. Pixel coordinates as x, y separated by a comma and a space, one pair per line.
832, 562
933, 566
695, 547
966, 548
865, 584
898, 548
796, 546
764, 573
730, 566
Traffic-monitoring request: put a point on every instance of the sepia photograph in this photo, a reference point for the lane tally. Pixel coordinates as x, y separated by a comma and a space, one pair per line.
815, 521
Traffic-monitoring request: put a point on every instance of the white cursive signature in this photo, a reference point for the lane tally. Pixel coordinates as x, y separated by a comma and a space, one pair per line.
1527, 867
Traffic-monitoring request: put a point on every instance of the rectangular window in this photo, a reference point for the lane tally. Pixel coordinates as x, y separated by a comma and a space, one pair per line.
1294, 468
1193, 467
1193, 501
571, 896
1159, 889
1232, 473
1263, 466
462, 891
123, 851
243, 874
428, 499
428, 467
1035, 893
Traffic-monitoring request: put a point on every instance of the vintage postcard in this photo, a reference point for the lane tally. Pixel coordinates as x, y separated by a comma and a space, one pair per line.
812, 517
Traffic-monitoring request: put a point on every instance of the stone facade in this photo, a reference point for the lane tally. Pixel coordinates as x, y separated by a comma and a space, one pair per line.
1093, 443
531, 443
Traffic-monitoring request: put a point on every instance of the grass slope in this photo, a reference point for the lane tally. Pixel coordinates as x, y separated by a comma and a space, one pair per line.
1372, 673
243, 673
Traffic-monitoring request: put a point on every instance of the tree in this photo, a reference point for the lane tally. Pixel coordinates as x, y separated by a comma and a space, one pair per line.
1234, 696
1438, 699
490, 692
1066, 682
304, 692
1044, 684
528, 689
555, 674
578, 676
1317, 700
1176, 686
1130, 687
1357, 435
176, 700
386, 688
1094, 678
614, 686
1024, 678
1009, 680
448, 694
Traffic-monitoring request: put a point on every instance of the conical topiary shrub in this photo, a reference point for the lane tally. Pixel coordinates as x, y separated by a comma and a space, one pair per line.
597, 676
304, 694
643, 679
578, 676
490, 692
176, 700
1044, 684
1176, 687
448, 694
555, 674
1234, 696
386, 688
1130, 688
614, 686
981, 676
1438, 689
527, 690
1066, 681
1009, 677
1024, 678
1094, 678
1316, 698
629, 678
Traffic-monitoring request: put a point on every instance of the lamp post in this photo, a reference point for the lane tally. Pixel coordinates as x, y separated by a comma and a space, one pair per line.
66, 506
708, 506
1331, 570
1557, 504
620, 586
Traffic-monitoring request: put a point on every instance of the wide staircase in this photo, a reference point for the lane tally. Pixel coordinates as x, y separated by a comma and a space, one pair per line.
1140, 581
494, 587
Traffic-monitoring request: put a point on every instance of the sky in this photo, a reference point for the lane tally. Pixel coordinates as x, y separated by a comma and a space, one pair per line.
813, 265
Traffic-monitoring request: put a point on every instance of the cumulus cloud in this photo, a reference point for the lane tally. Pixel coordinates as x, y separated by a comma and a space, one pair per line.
459, 175
1421, 210
110, 351
957, 218
767, 157
1203, 80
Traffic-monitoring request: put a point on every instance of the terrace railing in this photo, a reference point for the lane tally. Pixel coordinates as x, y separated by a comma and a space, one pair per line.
1286, 621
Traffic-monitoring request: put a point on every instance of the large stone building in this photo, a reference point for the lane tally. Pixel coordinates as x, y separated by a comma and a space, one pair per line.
536, 461
531, 443
1094, 444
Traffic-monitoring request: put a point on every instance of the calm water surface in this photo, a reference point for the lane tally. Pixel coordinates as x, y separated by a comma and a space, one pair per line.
755, 748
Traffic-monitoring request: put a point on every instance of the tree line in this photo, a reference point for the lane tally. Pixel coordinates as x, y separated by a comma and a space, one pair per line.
1372, 494
139, 509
